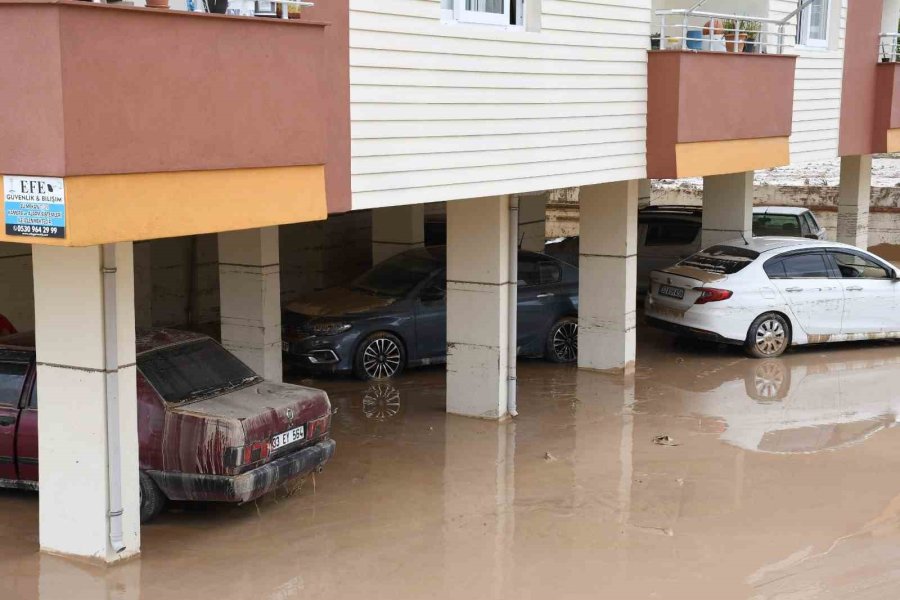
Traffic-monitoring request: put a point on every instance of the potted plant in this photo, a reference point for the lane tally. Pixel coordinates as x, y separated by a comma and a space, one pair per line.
735, 35
157, 3
754, 37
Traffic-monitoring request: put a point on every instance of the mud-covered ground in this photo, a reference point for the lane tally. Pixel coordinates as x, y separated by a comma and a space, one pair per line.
705, 476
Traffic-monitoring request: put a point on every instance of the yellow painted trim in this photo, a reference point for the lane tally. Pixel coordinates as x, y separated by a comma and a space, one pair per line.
698, 159
102, 209
893, 140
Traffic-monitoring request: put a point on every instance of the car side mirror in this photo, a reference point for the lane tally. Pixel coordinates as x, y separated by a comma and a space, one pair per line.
432, 294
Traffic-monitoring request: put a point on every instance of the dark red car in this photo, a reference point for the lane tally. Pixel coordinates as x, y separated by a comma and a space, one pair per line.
209, 428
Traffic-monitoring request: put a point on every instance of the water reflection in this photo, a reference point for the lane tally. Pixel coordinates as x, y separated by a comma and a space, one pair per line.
381, 401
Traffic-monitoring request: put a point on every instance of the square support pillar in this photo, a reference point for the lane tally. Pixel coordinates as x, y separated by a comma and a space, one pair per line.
478, 289
533, 222
727, 207
396, 229
607, 289
250, 296
853, 200
86, 375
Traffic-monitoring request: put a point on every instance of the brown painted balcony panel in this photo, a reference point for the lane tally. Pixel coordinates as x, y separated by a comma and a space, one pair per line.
710, 113
887, 109
93, 89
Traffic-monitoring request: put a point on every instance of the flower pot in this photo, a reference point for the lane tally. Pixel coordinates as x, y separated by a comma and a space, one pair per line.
735, 45
157, 3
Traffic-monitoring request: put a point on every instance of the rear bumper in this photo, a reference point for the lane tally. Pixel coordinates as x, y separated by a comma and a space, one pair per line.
246, 486
702, 334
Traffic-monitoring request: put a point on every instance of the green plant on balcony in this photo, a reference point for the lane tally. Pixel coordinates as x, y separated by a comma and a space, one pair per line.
739, 31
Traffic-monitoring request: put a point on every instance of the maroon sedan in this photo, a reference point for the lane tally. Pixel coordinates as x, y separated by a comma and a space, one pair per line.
209, 428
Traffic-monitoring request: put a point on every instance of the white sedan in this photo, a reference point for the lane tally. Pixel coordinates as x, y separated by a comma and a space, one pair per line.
767, 294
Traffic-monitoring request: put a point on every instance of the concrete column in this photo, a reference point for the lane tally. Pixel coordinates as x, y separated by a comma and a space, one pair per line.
143, 285
533, 222
250, 296
727, 207
608, 281
77, 389
645, 193
396, 229
853, 200
477, 296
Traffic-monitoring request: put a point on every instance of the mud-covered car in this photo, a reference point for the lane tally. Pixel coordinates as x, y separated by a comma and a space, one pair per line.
209, 428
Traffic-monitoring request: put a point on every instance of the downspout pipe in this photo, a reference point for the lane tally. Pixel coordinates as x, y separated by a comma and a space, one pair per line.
512, 305
111, 368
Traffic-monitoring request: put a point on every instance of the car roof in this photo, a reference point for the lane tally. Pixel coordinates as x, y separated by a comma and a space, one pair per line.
779, 210
770, 243
147, 340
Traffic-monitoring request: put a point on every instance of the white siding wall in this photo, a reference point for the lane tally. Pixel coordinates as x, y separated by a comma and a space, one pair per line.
446, 111
817, 92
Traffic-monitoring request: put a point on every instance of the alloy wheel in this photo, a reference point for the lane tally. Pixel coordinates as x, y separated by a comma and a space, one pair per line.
565, 342
771, 337
381, 402
381, 358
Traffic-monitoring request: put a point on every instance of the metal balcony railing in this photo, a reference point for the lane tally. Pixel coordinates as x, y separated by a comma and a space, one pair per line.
764, 35
250, 8
888, 47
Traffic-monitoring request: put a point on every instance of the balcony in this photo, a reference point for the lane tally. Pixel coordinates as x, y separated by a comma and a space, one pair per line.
222, 121
887, 97
719, 100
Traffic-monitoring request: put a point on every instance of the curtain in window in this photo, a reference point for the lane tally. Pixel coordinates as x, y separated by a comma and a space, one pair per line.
817, 13
486, 6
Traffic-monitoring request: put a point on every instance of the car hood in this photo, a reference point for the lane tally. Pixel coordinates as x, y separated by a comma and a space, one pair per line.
336, 302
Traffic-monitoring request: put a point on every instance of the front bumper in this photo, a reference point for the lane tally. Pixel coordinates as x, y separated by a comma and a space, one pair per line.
246, 486
321, 354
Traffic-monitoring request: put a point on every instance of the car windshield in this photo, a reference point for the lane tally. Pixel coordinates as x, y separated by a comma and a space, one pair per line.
724, 260
776, 225
397, 276
194, 370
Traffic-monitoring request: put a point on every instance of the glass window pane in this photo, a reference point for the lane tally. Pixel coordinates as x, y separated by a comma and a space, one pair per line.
852, 266
776, 225
12, 378
817, 13
725, 260
487, 6
671, 234
806, 266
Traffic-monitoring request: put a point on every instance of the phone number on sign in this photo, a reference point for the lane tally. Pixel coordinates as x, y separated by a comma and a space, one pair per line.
35, 229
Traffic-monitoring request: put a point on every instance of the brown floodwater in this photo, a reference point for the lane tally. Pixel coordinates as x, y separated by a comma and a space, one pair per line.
778, 480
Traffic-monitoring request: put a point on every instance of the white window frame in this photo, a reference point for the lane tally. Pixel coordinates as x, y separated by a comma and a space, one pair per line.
482, 18
803, 38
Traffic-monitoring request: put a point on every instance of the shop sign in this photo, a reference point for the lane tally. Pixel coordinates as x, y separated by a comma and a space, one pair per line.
34, 206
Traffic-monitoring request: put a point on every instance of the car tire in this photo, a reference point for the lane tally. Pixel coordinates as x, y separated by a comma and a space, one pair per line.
379, 357
152, 499
562, 341
768, 337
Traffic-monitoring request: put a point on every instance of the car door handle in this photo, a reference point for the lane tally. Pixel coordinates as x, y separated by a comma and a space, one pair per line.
547, 295
7, 421
793, 289
855, 288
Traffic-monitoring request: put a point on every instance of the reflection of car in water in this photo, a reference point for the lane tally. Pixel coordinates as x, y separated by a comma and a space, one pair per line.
668, 234
395, 315
796, 404
381, 401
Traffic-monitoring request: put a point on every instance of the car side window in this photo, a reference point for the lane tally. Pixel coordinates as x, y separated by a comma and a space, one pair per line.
811, 223
775, 269
32, 398
529, 272
804, 226
549, 272
853, 266
12, 378
806, 266
671, 233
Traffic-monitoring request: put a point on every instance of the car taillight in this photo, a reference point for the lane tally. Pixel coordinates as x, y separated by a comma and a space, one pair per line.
708, 295
318, 427
246, 455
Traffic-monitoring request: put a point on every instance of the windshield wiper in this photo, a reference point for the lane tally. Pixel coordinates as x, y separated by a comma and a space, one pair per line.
219, 388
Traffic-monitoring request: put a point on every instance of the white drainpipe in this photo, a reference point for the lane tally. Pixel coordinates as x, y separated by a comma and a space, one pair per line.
111, 366
513, 305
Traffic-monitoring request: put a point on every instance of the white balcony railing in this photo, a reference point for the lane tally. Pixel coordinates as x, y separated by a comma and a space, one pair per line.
888, 47
679, 31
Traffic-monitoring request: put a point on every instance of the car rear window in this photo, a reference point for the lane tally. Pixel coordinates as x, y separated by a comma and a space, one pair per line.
671, 233
194, 370
724, 260
776, 225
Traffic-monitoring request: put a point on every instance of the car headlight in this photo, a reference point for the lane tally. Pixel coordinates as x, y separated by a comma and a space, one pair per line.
328, 327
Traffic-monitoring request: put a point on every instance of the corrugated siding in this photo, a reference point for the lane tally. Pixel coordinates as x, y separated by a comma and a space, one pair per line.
817, 93
445, 111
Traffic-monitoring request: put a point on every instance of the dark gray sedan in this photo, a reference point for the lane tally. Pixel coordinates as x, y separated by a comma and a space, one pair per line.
395, 316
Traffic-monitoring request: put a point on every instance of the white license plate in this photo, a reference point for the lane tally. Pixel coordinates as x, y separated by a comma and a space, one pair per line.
671, 292
287, 438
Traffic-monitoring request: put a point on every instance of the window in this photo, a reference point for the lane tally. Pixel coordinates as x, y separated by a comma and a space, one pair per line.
671, 233
812, 28
853, 266
398, 275
724, 260
778, 225
485, 12
806, 266
12, 378
537, 272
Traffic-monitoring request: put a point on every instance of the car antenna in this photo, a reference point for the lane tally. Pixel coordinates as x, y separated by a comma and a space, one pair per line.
743, 237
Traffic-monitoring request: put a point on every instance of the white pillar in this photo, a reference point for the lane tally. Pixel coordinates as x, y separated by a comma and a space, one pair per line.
533, 222
477, 301
853, 200
608, 276
396, 229
72, 314
250, 296
727, 207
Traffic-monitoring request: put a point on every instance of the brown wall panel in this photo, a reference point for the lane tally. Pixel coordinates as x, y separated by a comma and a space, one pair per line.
860, 78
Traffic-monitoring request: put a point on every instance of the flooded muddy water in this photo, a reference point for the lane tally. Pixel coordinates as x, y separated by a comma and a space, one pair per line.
778, 480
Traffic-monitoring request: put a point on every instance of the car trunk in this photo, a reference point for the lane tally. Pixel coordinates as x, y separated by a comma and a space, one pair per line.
667, 285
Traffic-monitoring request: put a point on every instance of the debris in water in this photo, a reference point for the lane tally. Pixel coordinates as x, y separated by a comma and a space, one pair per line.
665, 440
549, 457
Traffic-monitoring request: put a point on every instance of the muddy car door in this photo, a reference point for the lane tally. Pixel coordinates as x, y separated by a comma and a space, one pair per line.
14, 368
807, 283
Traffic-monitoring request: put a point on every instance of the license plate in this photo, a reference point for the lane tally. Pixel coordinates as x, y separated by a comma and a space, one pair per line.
285, 347
671, 292
287, 438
